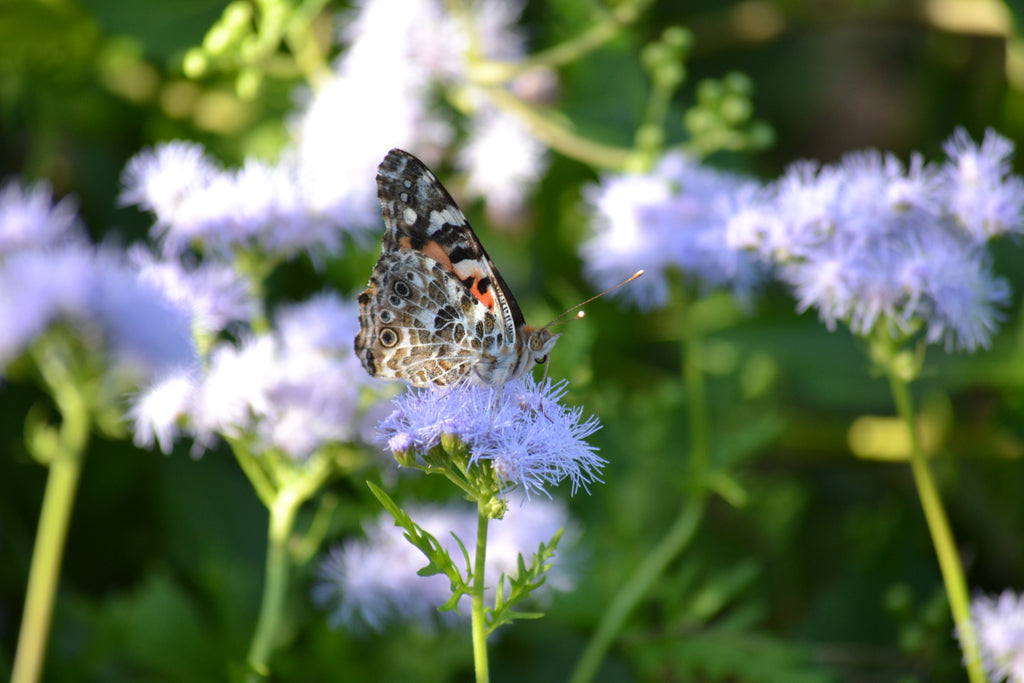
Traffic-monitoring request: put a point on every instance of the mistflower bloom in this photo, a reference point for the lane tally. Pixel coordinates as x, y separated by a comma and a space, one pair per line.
981, 192
502, 161
870, 241
159, 412
398, 56
674, 218
530, 439
197, 203
105, 301
293, 389
216, 293
370, 583
999, 626
161, 180
30, 219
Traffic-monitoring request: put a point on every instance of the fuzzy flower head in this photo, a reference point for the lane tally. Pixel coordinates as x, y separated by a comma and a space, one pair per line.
101, 300
398, 57
520, 428
999, 626
197, 203
872, 242
671, 219
983, 195
30, 219
292, 390
369, 583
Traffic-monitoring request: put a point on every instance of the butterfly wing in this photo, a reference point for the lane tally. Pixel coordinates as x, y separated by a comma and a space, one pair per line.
420, 215
418, 323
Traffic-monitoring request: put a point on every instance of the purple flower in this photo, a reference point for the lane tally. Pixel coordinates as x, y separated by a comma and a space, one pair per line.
501, 161
530, 439
979, 188
29, 218
371, 582
94, 292
999, 626
869, 242
674, 218
197, 203
294, 389
216, 293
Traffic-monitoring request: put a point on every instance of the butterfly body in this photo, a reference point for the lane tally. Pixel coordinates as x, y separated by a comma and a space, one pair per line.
436, 310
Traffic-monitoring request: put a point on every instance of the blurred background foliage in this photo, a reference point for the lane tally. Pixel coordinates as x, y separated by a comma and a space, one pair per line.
825, 572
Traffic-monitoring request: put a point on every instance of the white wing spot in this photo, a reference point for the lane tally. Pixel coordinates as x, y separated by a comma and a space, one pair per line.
409, 215
449, 214
404, 197
407, 183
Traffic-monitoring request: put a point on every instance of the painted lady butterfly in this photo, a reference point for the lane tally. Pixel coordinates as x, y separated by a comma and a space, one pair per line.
436, 309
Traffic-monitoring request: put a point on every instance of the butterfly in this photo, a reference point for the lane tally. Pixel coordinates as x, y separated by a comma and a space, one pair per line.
436, 310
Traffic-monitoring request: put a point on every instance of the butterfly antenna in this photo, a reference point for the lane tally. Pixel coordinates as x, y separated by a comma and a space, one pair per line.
558, 320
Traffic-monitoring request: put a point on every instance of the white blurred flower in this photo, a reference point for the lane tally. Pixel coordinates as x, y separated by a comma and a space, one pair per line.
371, 582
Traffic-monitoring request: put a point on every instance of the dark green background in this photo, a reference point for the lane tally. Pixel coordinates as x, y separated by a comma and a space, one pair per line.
826, 574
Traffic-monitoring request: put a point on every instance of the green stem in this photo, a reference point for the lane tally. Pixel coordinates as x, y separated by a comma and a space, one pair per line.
606, 27
558, 136
479, 622
58, 500
696, 404
639, 584
942, 536
275, 583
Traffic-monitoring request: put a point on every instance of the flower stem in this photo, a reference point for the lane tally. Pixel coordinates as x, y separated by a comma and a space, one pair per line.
275, 583
942, 536
638, 585
696, 404
58, 500
479, 622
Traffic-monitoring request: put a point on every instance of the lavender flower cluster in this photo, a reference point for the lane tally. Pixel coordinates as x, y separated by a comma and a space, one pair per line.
670, 219
871, 241
529, 438
999, 625
51, 275
372, 582
294, 389
867, 241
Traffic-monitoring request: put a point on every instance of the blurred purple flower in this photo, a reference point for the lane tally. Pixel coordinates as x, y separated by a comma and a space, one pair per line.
105, 301
294, 389
216, 293
979, 188
869, 241
530, 439
30, 219
999, 626
371, 583
674, 218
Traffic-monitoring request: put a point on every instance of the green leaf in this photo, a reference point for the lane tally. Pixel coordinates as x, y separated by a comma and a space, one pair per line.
521, 586
438, 559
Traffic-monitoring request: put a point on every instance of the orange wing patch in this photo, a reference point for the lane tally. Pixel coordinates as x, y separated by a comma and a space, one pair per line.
437, 252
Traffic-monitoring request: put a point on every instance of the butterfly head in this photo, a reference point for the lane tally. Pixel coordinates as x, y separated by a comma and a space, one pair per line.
539, 342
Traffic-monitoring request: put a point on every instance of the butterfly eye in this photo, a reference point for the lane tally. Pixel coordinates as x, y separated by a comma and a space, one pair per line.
388, 337
402, 289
